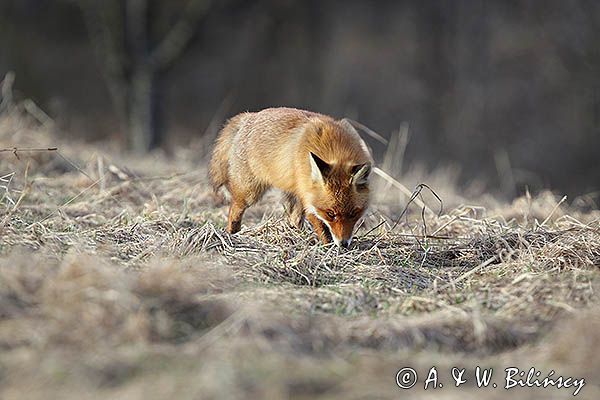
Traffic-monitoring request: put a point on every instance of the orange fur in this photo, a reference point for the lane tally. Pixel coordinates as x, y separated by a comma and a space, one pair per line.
321, 165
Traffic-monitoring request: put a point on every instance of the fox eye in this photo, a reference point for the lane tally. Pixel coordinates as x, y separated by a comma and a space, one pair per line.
330, 214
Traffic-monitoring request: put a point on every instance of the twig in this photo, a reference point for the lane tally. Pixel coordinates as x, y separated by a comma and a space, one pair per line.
38, 113
18, 202
6, 93
16, 150
7, 179
456, 217
367, 130
553, 211
100, 162
400, 187
413, 197
393, 157
72, 164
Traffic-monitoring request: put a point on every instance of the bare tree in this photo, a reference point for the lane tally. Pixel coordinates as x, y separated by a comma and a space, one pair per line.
121, 32
6, 96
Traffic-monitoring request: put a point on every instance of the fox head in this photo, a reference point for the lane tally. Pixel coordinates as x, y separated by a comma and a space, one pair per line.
340, 195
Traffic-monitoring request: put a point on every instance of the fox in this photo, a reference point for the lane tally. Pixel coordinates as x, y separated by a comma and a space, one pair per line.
321, 165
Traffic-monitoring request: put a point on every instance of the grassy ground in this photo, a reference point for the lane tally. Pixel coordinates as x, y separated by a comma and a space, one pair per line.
118, 281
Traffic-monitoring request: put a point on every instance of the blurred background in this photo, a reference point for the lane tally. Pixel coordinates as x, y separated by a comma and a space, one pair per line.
505, 92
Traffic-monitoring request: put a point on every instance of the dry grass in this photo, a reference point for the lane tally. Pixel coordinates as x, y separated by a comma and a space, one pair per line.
118, 281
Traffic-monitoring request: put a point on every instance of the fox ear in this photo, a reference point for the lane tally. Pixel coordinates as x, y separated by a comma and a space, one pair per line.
319, 168
360, 174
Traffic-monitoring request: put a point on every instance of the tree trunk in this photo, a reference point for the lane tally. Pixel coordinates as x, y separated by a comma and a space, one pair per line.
143, 130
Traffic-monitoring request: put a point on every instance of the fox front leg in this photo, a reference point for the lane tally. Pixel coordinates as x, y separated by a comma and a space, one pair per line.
320, 228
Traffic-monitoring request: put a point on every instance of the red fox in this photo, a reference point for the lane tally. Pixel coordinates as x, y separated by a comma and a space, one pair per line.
321, 165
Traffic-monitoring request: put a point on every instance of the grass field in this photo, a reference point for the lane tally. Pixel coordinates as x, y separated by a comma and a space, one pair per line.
118, 281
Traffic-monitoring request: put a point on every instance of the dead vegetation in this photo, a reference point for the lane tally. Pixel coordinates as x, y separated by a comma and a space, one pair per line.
117, 280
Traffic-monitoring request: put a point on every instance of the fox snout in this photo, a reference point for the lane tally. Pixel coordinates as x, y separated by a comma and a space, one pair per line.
342, 232
345, 243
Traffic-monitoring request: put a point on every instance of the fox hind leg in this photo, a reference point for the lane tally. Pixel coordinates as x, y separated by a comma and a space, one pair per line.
217, 197
294, 210
236, 212
243, 195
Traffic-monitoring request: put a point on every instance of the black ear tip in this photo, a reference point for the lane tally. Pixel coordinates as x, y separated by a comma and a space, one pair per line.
322, 165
